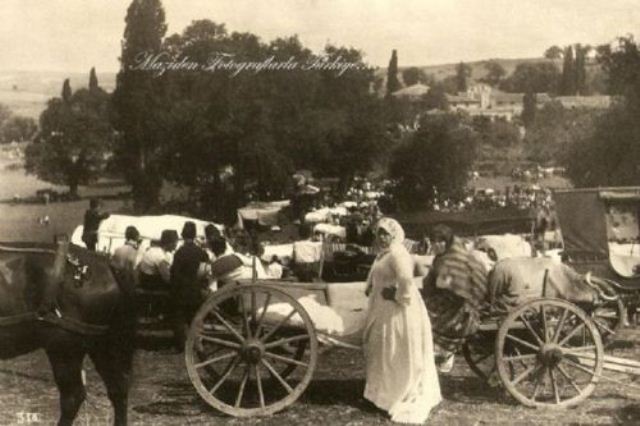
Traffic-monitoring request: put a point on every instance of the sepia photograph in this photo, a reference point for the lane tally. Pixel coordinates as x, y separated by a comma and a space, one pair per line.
319, 212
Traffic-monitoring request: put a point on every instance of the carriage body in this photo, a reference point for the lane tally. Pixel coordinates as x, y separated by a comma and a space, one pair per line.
601, 235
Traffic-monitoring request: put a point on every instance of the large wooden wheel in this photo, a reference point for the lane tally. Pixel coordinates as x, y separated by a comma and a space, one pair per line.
246, 360
549, 353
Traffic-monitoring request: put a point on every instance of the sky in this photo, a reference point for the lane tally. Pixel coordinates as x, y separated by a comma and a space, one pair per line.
74, 35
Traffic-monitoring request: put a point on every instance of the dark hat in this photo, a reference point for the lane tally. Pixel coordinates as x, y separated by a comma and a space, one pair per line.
189, 230
131, 233
168, 236
210, 231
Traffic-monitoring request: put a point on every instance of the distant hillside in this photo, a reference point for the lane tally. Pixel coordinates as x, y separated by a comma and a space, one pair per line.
27, 92
478, 70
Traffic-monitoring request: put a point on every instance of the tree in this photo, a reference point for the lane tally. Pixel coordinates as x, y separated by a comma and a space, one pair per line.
568, 81
413, 75
93, 80
528, 109
580, 68
435, 98
66, 90
609, 154
138, 104
463, 72
556, 128
553, 52
19, 129
75, 139
393, 83
437, 157
621, 64
495, 72
534, 77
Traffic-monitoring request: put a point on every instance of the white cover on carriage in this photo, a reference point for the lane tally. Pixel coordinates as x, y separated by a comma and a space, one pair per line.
505, 246
111, 230
340, 320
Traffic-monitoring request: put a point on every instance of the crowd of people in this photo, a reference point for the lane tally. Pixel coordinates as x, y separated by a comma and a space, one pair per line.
411, 333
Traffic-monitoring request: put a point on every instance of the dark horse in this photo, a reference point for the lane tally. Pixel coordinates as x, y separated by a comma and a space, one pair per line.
67, 300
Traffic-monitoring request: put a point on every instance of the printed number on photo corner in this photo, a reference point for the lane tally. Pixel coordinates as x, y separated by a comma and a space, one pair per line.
25, 417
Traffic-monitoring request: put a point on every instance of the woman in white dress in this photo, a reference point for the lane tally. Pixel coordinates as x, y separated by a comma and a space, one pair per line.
401, 372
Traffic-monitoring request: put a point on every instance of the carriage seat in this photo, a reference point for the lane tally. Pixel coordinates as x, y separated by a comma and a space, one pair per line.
624, 265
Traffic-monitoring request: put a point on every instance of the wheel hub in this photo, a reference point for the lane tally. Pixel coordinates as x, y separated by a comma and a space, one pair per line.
252, 351
550, 355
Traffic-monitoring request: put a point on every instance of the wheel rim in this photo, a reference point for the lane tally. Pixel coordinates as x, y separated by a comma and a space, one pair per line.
549, 354
245, 360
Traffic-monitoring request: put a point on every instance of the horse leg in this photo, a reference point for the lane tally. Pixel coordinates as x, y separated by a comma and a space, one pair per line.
67, 372
116, 374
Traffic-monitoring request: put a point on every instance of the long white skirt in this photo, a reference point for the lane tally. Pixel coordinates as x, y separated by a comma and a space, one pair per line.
401, 372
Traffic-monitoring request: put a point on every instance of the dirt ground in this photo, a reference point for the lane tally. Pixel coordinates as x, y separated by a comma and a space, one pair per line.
162, 395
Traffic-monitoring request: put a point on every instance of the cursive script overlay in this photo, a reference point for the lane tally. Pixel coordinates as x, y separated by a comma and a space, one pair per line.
160, 63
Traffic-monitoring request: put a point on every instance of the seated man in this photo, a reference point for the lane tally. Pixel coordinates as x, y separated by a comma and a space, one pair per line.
455, 291
234, 266
154, 270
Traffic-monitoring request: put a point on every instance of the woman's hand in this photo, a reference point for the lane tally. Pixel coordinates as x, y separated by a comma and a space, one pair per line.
389, 293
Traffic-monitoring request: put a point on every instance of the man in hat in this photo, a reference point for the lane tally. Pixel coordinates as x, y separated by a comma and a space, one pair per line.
154, 270
92, 219
186, 284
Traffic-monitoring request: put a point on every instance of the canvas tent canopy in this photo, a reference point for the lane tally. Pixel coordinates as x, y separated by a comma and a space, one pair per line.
111, 230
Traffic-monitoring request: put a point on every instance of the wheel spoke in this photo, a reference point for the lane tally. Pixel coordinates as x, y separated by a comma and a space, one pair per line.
603, 325
554, 386
242, 385
225, 375
228, 326
571, 334
531, 330
277, 327
220, 342
525, 374
520, 357
579, 367
286, 340
245, 321
262, 315
285, 359
275, 374
577, 350
522, 342
259, 384
569, 379
216, 359
536, 388
543, 314
253, 307
556, 334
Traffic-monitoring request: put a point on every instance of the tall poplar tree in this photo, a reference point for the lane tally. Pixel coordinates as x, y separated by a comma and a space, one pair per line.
137, 103
568, 80
66, 90
393, 83
93, 80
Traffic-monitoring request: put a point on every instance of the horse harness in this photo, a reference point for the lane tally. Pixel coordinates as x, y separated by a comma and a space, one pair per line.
54, 316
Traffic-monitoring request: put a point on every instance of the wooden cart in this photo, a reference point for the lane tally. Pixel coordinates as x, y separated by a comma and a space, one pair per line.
245, 362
